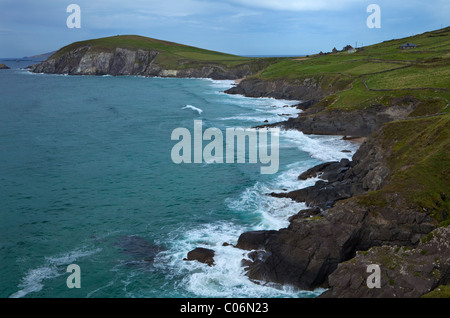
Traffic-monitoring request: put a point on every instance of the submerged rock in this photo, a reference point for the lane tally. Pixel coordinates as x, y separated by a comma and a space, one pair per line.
138, 247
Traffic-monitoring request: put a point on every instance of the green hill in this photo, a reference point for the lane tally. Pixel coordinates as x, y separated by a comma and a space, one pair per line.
170, 53
138, 55
374, 74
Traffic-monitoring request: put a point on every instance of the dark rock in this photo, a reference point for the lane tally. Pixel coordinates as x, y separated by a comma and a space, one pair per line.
345, 162
306, 90
253, 240
306, 252
404, 272
245, 263
4, 67
310, 249
305, 213
317, 171
358, 123
308, 104
202, 255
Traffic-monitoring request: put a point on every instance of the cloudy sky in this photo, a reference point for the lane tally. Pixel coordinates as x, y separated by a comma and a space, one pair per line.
243, 27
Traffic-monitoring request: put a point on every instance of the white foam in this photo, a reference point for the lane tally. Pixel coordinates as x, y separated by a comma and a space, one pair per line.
324, 148
198, 110
54, 267
227, 277
272, 212
251, 118
222, 84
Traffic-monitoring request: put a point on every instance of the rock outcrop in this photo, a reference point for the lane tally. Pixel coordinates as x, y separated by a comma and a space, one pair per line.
306, 90
316, 118
404, 272
202, 255
345, 179
3, 67
356, 123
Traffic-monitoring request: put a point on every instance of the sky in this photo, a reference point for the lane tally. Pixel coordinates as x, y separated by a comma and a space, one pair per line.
242, 27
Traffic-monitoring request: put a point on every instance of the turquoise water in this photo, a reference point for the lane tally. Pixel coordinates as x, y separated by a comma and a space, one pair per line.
86, 178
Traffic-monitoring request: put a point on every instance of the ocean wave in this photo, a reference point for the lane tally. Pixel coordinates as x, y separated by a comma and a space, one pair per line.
227, 277
53, 268
323, 148
198, 110
251, 118
222, 84
262, 101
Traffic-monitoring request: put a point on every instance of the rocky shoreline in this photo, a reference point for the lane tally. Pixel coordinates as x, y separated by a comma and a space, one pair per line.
331, 243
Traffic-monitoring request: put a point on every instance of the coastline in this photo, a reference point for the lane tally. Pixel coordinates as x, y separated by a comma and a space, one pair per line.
207, 255
338, 224
345, 215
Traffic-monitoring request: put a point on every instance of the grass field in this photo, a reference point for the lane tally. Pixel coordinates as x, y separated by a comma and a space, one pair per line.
376, 73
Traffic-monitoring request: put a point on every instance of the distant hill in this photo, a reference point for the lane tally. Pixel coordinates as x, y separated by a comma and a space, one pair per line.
42, 56
138, 55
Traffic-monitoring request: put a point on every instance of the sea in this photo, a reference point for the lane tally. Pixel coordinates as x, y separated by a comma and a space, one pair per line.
86, 178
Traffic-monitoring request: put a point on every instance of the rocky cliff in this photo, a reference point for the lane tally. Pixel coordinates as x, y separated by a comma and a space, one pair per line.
317, 117
366, 204
309, 89
404, 272
88, 60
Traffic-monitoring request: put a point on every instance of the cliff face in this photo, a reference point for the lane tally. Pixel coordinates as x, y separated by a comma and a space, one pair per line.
86, 60
404, 272
356, 123
316, 118
306, 90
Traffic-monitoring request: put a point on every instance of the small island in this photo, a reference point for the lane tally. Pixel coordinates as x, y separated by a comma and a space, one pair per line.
4, 67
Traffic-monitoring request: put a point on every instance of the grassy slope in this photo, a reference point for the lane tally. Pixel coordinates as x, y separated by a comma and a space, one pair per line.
419, 164
378, 73
172, 55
